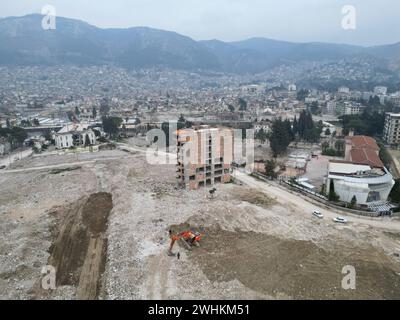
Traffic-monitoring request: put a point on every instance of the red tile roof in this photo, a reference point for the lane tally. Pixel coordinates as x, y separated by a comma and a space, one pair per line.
366, 156
363, 142
364, 150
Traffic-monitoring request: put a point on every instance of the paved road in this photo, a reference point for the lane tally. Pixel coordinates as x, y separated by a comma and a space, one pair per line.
305, 208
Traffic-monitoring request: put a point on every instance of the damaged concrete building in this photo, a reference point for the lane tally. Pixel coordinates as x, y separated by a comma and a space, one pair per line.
204, 156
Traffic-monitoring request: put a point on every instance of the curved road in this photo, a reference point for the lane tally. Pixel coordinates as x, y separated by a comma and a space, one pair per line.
305, 208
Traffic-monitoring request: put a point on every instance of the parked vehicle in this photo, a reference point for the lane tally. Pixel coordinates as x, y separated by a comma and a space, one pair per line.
340, 220
318, 214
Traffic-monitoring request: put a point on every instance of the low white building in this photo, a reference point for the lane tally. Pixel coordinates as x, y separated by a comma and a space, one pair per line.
75, 135
263, 125
380, 90
368, 184
361, 175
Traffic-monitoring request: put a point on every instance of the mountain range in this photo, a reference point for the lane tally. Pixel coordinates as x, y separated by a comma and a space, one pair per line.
23, 42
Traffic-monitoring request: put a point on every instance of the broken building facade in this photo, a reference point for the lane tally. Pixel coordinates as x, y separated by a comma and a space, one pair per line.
204, 156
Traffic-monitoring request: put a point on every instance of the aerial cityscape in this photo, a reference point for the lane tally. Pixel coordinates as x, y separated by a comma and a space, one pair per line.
143, 164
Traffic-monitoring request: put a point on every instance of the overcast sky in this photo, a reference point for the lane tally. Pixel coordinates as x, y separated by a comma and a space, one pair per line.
378, 21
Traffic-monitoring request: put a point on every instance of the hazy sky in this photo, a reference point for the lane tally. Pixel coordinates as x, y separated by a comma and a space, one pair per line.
378, 21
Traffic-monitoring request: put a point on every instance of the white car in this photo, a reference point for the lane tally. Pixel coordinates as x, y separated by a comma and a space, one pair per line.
318, 214
340, 220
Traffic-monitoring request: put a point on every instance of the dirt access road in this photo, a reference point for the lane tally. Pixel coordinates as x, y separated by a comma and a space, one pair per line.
305, 208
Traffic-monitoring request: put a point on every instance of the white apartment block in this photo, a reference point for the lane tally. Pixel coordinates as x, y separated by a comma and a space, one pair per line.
391, 131
380, 90
350, 108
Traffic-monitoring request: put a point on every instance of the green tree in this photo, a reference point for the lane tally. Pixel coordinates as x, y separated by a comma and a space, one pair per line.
302, 94
77, 111
87, 141
104, 107
384, 155
353, 202
231, 108
261, 135
332, 196
111, 125
314, 108
307, 130
71, 116
15, 136
394, 195
327, 132
324, 146
295, 127
94, 113
242, 104
374, 101
323, 189
270, 166
280, 137
183, 123
369, 123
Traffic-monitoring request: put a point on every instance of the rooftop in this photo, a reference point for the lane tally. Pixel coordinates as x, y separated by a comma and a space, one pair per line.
363, 142
364, 150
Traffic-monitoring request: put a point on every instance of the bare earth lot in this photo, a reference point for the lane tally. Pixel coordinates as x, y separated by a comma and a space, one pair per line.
103, 223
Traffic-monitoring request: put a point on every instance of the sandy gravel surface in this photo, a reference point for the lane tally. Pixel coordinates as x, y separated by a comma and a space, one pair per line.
259, 242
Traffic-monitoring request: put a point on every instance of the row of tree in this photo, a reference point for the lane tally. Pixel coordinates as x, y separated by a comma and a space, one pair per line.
15, 136
369, 123
283, 132
306, 129
30, 123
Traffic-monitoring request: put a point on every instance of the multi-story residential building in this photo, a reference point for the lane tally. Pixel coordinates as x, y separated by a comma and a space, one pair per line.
380, 90
352, 108
331, 107
391, 131
204, 156
344, 90
395, 99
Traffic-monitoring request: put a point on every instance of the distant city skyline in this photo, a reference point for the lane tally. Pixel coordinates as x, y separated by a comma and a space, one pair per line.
377, 22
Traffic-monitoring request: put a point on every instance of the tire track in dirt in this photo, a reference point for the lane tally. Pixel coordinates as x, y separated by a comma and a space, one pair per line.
79, 251
157, 277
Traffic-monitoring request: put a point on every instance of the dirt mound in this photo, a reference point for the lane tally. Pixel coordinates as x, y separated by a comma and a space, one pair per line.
80, 247
295, 269
254, 197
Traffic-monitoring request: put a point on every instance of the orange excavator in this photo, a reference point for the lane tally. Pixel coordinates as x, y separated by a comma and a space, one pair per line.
188, 238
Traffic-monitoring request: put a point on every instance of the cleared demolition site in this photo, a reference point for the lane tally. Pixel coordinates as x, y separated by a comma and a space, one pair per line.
105, 221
